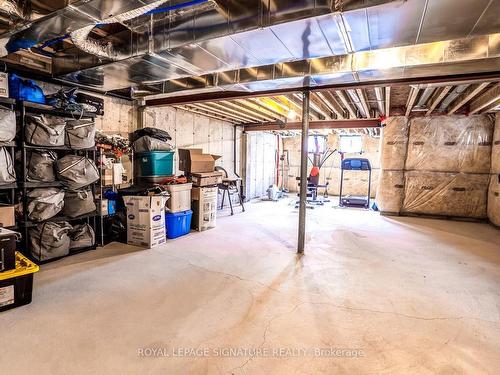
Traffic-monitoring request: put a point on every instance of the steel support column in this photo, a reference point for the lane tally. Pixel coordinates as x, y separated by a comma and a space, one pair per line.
303, 173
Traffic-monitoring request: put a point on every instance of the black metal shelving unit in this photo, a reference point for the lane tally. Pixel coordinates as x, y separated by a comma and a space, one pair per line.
25, 108
8, 191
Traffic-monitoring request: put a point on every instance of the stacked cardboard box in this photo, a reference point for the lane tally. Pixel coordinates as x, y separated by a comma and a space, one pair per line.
200, 169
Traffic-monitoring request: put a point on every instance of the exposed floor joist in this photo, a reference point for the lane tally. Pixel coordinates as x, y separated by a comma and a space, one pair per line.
345, 102
316, 125
466, 97
437, 98
489, 98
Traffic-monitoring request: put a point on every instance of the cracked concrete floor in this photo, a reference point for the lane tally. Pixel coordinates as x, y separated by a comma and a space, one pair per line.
393, 295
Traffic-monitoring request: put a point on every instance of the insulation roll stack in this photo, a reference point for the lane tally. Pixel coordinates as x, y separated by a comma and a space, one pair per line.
393, 149
390, 191
494, 189
394, 140
461, 195
450, 144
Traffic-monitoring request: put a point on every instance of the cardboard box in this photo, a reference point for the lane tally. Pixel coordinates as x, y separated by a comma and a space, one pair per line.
4, 85
206, 178
204, 208
7, 216
103, 207
145, 220
180, 197
193, 160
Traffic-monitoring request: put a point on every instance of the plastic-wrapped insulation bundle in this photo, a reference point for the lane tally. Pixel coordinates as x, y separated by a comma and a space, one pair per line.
80, 134
49, 240
44, 203
40, 165
78, 202
494, 199
495, 149
77, 171
390, 192
7, 172
7, 125
446, 194
394, 140
450, 144
82, 235
44, 130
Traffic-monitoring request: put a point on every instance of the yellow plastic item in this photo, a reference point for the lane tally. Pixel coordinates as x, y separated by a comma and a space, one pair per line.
24, 266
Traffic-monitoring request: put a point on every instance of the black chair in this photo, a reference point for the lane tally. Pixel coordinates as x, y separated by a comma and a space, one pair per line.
229, 185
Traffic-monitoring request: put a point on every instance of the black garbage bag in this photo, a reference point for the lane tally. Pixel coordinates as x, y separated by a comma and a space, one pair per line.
160, 134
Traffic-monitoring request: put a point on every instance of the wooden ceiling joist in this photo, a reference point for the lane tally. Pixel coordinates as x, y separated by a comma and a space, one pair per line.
316, 125
437, 98
466, 97
489, 98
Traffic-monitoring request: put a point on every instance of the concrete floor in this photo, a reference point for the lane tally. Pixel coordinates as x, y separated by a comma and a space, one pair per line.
393, 295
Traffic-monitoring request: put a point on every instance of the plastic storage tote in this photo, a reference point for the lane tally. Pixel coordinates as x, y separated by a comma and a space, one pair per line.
16, 286
156, 163
8, 241
178, 223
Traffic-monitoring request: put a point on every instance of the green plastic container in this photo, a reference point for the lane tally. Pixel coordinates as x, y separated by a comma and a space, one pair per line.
156, 163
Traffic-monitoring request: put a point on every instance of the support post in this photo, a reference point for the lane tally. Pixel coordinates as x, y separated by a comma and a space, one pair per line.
303, 173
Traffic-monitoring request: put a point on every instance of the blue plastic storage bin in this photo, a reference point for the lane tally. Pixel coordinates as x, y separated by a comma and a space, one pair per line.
178, 223
156, 163
25, 89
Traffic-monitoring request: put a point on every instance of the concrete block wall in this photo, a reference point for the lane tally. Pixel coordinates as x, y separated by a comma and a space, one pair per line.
190, 130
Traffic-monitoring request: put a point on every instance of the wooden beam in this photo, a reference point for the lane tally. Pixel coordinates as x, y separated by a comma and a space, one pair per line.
438, 97
238, 107
387, 101
364, 103
207, 107
205, 113
331, 103
316, 125
379, 94
319, 106
411, 100
236, 113
346, 103
295, 98
466, 97
258, 107
488, 98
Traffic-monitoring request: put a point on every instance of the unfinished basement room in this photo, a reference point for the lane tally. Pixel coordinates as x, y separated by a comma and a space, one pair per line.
249, 187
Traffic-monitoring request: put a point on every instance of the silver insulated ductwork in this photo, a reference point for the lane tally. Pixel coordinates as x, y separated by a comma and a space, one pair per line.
81, 38
179, 45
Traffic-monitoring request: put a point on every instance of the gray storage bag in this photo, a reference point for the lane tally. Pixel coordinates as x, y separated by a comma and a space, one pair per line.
80, 133
77, 171
78, 202
82, 235
49, 240
45, 203
44, 130
40, 165
7, 172
7, 125
148, 143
